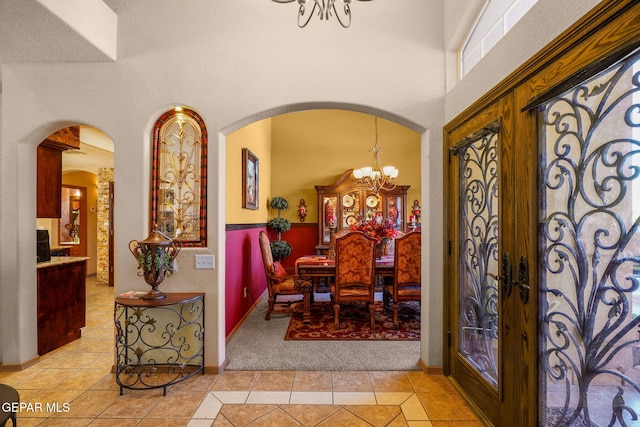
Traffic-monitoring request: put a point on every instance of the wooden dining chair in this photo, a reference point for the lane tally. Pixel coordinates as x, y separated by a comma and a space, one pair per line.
279, 283
406, 284
355, 273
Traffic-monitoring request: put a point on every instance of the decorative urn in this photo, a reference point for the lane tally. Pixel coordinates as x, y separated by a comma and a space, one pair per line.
155, 256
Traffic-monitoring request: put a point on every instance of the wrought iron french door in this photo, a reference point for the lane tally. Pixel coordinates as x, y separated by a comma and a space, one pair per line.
479, 265
478, 337
590, 251
542, 278
490, 324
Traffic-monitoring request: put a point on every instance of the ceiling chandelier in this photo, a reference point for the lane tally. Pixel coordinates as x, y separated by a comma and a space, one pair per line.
376, 177
325, 9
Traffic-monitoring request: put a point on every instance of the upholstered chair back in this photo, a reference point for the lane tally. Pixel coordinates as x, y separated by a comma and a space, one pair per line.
406, 284
355, 273
407, 259
355, 259
265, 249
278, 281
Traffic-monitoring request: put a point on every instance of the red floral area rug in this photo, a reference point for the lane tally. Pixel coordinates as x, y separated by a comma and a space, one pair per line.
355, 325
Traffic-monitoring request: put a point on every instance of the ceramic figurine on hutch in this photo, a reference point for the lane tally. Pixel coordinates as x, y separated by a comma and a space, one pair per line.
415, 216
393, 213
330, 213
415, 210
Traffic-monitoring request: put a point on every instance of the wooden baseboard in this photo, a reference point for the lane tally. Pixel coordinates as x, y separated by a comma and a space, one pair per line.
214, 369
430, 370
241, 321
19, 367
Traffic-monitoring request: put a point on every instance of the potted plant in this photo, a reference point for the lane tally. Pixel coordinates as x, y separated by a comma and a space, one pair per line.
279, 248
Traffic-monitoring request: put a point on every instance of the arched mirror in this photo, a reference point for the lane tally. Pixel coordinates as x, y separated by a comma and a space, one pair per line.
73, 219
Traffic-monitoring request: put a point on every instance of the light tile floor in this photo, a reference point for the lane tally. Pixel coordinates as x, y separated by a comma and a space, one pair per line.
73, 386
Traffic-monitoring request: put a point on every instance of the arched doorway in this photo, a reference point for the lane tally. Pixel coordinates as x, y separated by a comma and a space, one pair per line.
298, 150
73, 173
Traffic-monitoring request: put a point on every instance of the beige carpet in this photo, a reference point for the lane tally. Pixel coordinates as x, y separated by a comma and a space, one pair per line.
260, 345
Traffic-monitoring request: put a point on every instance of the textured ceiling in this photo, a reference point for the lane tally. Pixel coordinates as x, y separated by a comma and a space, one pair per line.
30, 33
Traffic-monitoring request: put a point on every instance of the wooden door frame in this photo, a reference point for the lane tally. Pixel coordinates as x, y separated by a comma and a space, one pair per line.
608, 31
500, 111
111, 239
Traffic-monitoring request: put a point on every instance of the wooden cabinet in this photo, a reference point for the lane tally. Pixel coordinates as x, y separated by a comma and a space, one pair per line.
344, 202
49, 164
61, 302
49, 182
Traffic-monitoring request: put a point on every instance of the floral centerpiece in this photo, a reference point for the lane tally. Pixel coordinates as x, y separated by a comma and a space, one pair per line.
381, 229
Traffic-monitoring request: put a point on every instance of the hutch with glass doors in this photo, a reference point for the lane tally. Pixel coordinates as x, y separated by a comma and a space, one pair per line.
345, 202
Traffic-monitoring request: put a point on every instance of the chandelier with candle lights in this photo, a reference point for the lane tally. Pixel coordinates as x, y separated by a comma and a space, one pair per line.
325, 9
376, 177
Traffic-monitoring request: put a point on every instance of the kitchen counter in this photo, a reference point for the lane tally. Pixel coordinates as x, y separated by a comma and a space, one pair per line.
61, 260
61, 301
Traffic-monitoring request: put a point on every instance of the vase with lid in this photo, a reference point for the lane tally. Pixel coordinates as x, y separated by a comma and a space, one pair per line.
155, 256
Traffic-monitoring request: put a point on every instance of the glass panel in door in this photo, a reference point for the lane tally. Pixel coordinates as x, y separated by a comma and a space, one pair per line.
479, 266
590, 252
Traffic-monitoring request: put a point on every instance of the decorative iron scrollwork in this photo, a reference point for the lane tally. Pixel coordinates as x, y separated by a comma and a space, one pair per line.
478, 160
590, 249
158, 345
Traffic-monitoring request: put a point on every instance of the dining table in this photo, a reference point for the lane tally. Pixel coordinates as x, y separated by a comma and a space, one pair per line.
310, 267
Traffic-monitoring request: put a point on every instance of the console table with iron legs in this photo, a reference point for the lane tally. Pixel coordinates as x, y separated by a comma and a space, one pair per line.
159, 342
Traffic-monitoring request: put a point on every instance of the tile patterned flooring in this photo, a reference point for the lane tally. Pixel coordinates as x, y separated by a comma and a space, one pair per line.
73, 386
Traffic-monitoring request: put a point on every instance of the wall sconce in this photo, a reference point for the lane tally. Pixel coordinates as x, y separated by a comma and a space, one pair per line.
302, 210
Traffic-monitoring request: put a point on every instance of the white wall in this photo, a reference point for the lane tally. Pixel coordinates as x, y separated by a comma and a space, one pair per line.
234, 62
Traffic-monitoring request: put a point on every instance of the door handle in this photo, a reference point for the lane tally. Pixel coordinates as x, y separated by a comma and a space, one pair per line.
505, 278
523, 280
508, 284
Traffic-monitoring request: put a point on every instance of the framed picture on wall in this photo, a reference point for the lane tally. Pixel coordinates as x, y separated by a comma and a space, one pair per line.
249, 180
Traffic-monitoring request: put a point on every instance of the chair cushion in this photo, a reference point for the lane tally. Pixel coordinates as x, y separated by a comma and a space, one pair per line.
278, 270
287, 286
411, 291
351, 292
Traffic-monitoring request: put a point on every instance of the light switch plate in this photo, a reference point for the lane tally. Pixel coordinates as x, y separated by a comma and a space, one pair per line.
206, 261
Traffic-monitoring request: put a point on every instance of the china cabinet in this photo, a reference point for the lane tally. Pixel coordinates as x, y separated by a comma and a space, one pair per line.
341, 204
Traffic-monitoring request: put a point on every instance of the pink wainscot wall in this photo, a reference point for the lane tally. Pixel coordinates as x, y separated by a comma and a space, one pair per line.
244, 266
243, 269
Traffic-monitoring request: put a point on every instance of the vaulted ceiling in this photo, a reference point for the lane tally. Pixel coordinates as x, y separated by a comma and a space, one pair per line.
33, 31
